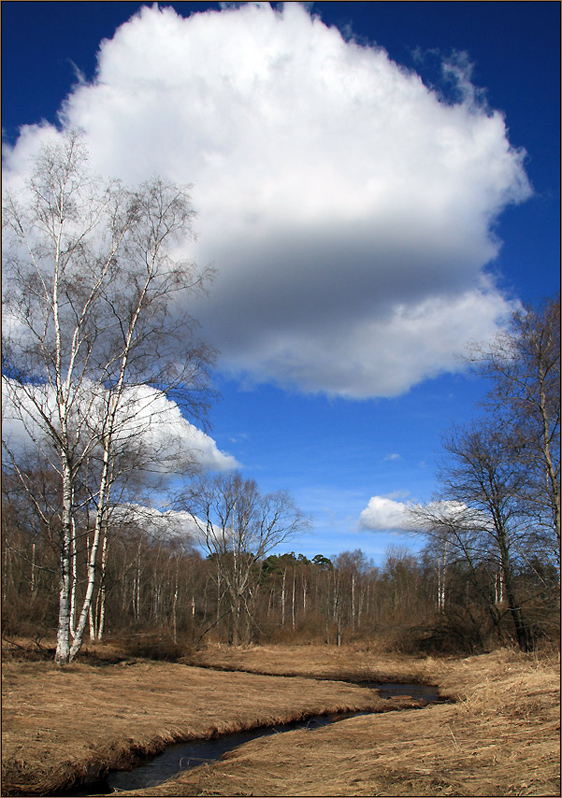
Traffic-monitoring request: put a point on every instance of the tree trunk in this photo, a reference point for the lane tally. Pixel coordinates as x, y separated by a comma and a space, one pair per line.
499, 586
103, 589
293, 602
522, 633
93, 554
137, 585
235, 634
283, 599
63, 654
74, 579
175, 615
33, 585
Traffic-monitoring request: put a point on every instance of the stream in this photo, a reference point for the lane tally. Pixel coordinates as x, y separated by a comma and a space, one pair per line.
184, 756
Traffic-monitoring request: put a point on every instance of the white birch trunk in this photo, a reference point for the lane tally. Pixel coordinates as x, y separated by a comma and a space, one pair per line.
74, 579
93, 554
283, 599
103, 592
62, 654
293, 601
32, 568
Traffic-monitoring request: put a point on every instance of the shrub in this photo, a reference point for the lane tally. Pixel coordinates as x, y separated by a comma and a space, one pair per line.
151, 645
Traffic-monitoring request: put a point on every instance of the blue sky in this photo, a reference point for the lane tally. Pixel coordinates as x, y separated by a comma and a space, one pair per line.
328, 388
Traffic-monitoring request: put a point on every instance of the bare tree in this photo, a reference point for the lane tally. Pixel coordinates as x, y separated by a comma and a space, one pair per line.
461, 545
238, 527
89, 282
500, 500
480, 516
348, 567
524, 366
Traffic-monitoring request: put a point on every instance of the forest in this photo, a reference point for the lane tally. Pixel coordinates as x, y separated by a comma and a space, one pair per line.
90, 349
161, 598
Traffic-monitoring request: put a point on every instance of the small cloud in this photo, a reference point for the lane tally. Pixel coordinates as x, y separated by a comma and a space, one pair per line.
393, 456
78, 73
240, 437
384, 515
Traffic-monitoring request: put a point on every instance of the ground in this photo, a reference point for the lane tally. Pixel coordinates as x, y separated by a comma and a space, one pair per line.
499, 737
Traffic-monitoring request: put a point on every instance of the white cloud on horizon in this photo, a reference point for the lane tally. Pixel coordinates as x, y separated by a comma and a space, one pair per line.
178, 525
160, 524
349, 212
385, 515
166, 430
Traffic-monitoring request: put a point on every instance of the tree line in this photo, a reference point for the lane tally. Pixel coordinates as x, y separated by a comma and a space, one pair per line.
161, 595
98, 341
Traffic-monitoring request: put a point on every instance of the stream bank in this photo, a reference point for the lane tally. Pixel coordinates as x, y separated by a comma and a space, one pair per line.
184, 756
63, 726
501, 737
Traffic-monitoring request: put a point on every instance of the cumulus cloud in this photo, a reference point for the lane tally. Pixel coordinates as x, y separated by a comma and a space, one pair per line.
384, 515
168, 525
348, 208
166, 431
173, 525
147, 417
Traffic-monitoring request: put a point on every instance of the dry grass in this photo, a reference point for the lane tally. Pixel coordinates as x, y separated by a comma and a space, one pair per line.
500, 738
62, 724
352, 662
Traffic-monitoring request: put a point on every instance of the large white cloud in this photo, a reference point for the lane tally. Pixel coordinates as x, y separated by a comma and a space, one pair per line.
171, 436
347, 209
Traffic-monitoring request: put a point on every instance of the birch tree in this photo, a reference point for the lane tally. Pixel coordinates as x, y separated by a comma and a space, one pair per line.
89, 283
239, 526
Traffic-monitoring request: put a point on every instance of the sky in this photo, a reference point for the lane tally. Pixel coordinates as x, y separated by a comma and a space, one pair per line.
376, 185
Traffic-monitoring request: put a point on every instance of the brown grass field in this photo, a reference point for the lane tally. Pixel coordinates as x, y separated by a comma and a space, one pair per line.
500, 737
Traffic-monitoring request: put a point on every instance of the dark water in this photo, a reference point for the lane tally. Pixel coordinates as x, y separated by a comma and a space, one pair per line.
419, 692
183, 756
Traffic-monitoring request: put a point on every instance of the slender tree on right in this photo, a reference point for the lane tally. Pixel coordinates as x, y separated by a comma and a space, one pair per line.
498, 509
523, 365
